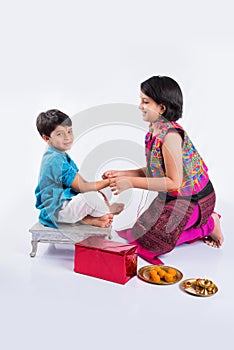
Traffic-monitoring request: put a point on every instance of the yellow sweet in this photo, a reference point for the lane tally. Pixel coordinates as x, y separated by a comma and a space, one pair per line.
161, 273
171, 271
154, 276
157, 268
168, 277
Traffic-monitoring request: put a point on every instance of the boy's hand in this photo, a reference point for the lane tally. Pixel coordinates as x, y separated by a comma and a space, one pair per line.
120, 184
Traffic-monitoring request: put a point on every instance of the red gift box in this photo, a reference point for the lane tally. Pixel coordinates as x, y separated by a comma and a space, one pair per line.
105, 259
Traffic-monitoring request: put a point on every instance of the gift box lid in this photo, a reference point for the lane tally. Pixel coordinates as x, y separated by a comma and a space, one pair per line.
106, 245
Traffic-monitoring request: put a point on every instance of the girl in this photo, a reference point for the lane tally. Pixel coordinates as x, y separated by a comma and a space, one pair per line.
183, 211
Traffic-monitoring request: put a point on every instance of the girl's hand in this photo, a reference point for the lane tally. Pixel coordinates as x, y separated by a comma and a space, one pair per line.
120, 184
110, 174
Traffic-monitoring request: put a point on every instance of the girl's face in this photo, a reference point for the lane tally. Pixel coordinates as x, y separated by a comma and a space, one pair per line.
151, 111
61, 138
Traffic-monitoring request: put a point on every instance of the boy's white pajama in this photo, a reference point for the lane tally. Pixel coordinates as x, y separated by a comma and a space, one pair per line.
89, 203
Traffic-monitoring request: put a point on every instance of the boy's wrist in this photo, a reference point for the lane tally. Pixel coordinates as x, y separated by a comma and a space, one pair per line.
102, 184
107, 181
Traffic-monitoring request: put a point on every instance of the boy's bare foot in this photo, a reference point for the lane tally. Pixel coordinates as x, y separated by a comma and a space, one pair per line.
116, 208
102, 221
216, 238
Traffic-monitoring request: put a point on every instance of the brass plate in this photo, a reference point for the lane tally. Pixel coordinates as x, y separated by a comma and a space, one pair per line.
189, 286
143, 274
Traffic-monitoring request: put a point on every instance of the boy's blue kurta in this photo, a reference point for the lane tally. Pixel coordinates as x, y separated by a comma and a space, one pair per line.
54, 186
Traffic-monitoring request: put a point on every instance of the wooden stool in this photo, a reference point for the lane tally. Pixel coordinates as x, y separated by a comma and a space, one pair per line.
66, 233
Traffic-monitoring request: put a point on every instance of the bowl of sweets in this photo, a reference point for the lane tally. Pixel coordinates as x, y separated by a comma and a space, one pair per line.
156, 274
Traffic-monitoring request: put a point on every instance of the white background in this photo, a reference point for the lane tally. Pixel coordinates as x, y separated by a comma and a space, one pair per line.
74, 55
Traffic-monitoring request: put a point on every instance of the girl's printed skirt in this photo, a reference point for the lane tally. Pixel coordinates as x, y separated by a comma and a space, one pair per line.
159, 228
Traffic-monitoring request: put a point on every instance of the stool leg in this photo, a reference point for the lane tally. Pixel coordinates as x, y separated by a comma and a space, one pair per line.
34, 248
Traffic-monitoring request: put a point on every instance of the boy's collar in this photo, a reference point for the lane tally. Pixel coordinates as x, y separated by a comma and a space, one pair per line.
50, 148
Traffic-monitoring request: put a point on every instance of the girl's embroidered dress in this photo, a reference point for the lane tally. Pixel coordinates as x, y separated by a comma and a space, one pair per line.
165, 223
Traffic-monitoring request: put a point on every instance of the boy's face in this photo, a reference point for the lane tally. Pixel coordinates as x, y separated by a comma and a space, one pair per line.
60, 138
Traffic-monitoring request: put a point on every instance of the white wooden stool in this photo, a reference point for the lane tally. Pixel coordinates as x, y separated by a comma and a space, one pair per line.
66, 233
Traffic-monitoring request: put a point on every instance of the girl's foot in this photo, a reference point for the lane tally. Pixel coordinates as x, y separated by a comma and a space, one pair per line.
102, 221
116, 208
215, 239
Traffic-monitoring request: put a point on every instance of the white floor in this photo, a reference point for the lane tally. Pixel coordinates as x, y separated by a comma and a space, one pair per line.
74, 56
44, 304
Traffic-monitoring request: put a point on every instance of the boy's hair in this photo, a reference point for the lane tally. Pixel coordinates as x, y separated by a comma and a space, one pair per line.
48, 121
166, 91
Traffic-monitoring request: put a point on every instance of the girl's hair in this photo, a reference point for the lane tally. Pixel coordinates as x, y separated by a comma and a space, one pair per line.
48, 121
166, 91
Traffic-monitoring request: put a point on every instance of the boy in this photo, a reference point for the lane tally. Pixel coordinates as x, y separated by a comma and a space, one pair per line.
62, 195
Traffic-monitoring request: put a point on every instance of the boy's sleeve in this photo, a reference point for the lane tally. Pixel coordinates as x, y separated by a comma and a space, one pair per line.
69, 172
